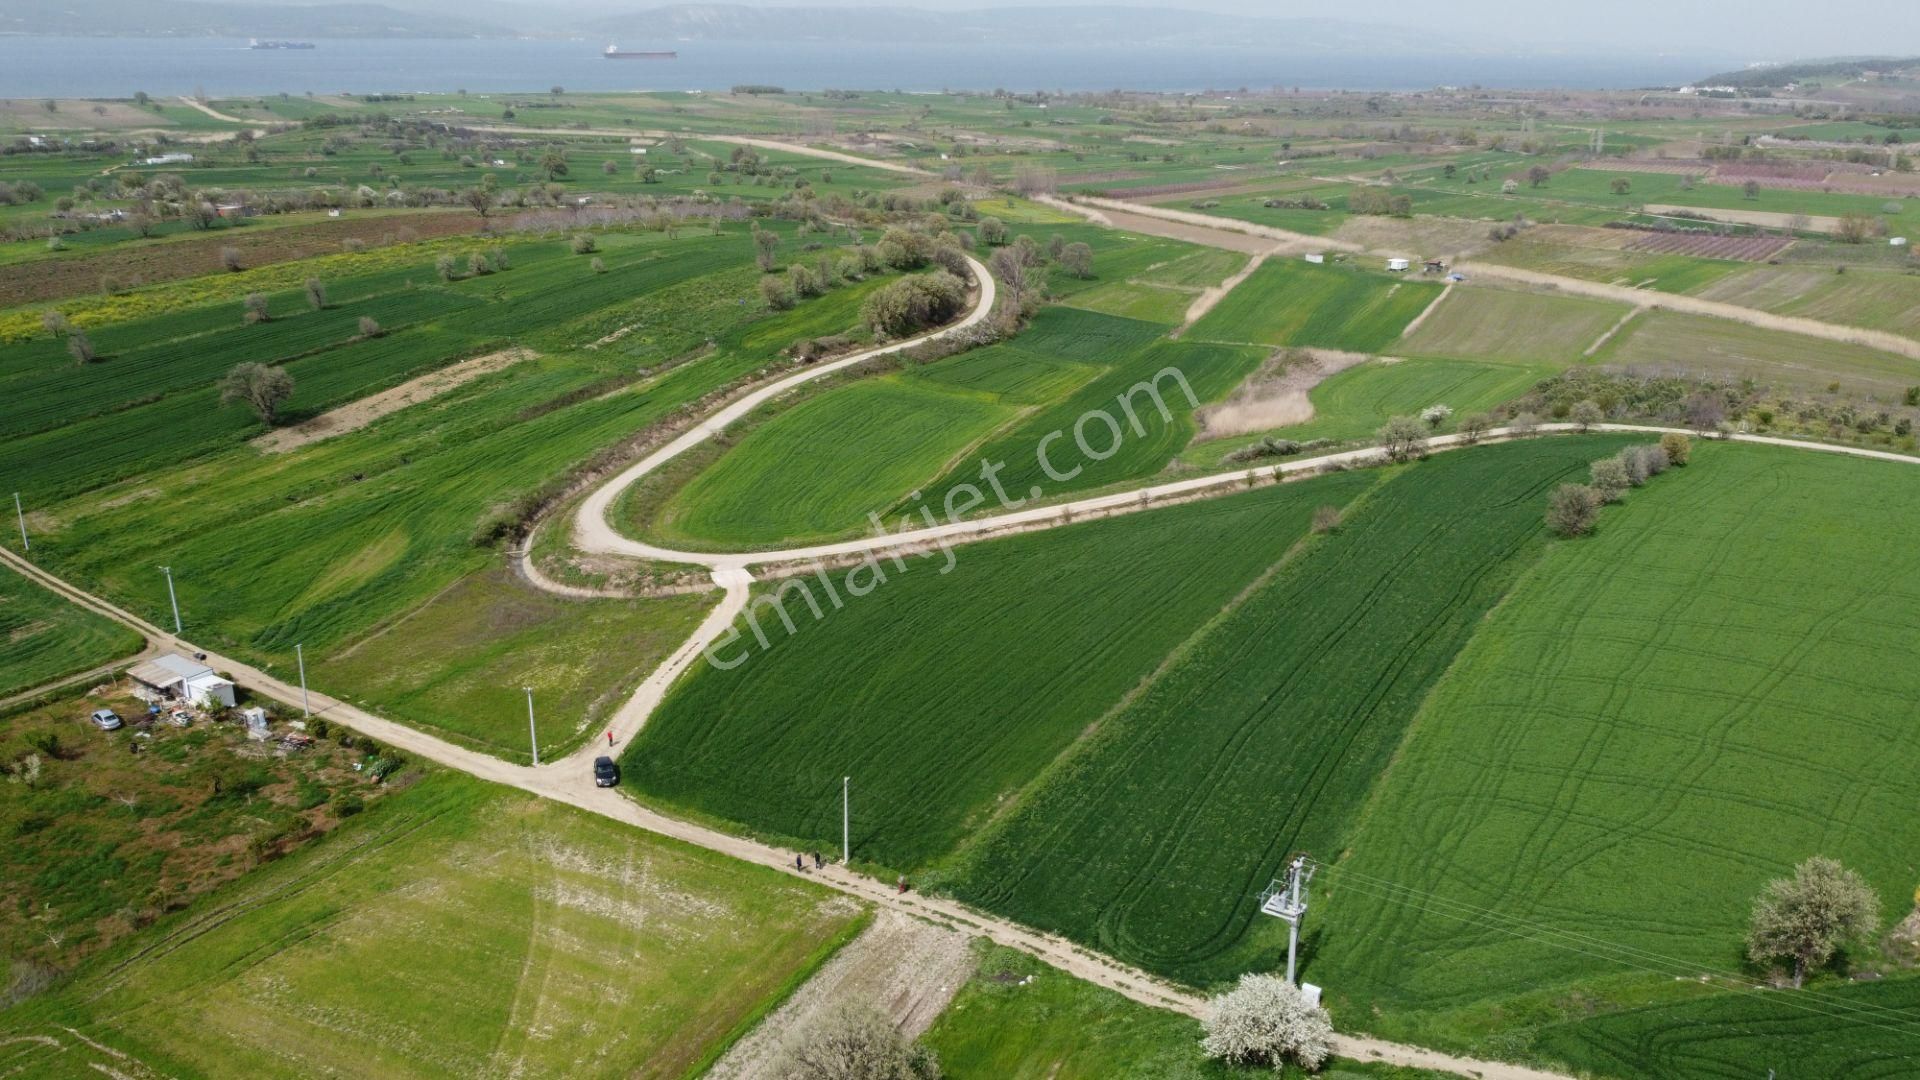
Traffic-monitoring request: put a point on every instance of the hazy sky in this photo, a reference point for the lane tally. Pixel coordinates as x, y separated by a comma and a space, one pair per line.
1761, 29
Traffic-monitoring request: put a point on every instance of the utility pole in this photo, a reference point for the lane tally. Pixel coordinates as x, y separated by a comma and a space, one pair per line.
532, 735
300, 655
172, 599
1289, 901
846, 818
21, 516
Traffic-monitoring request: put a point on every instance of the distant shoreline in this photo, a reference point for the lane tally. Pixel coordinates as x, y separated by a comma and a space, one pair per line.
38, 66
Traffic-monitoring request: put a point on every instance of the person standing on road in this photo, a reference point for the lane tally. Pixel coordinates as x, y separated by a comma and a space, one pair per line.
800, 863
609, 736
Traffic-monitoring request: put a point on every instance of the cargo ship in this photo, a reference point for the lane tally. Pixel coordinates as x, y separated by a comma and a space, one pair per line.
256, 43
614, 52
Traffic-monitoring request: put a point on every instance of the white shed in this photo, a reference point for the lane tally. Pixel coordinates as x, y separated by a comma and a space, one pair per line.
1398, 264
1316, 257
171, 675
1898, 241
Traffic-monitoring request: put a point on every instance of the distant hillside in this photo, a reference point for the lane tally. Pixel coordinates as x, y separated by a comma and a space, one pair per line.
193, 18
1775, 75
1025, 26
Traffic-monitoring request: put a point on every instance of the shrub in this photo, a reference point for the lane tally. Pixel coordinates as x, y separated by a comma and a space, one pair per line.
776, 293
256, 305
1806, 917
1609, 478
582, 244
911, 304
260, 387
346, 804
316, 293
56, 325
230, 258
598, 265
1326, 519
993, 231
370, 327
444, 266
1265, 1021
319, 728
1435, 415
1403, 438
1634, 460
1572, 510
1524, 425
1679, 448
804, 281
1586, 414
1076, 259
855, 1043
80, 347
1474, 427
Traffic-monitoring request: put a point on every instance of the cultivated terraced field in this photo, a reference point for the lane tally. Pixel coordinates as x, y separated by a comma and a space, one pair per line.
333, 544
1265, 731
1354, 403
1291, 302
43, 637
956, 690
1514, 327
1692, 701
1667, 341
455, 930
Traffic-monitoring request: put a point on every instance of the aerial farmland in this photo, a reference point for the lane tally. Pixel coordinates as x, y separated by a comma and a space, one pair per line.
768, 582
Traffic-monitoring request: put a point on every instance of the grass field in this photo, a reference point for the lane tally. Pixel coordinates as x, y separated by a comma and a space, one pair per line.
1877, 300
815, 470
1747, 1035
1695, 699
1354, 403
455, 930
1718, 348
1612, 264
1517, 327
457, 664
1263, 734
958, 691
43, 637
821, 468
1040, 463
330, 544
1291, 302
1018, 1019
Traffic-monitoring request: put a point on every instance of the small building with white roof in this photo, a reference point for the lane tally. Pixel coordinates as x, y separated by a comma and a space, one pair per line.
173, 676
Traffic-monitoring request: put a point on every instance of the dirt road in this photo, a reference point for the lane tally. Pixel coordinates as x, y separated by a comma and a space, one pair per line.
740, 140
1231, 235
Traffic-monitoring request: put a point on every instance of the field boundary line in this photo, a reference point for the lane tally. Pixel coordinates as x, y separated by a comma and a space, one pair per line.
1426, 311
1613, 331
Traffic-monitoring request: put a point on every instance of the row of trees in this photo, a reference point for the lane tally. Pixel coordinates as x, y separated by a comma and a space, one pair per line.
1574, 509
